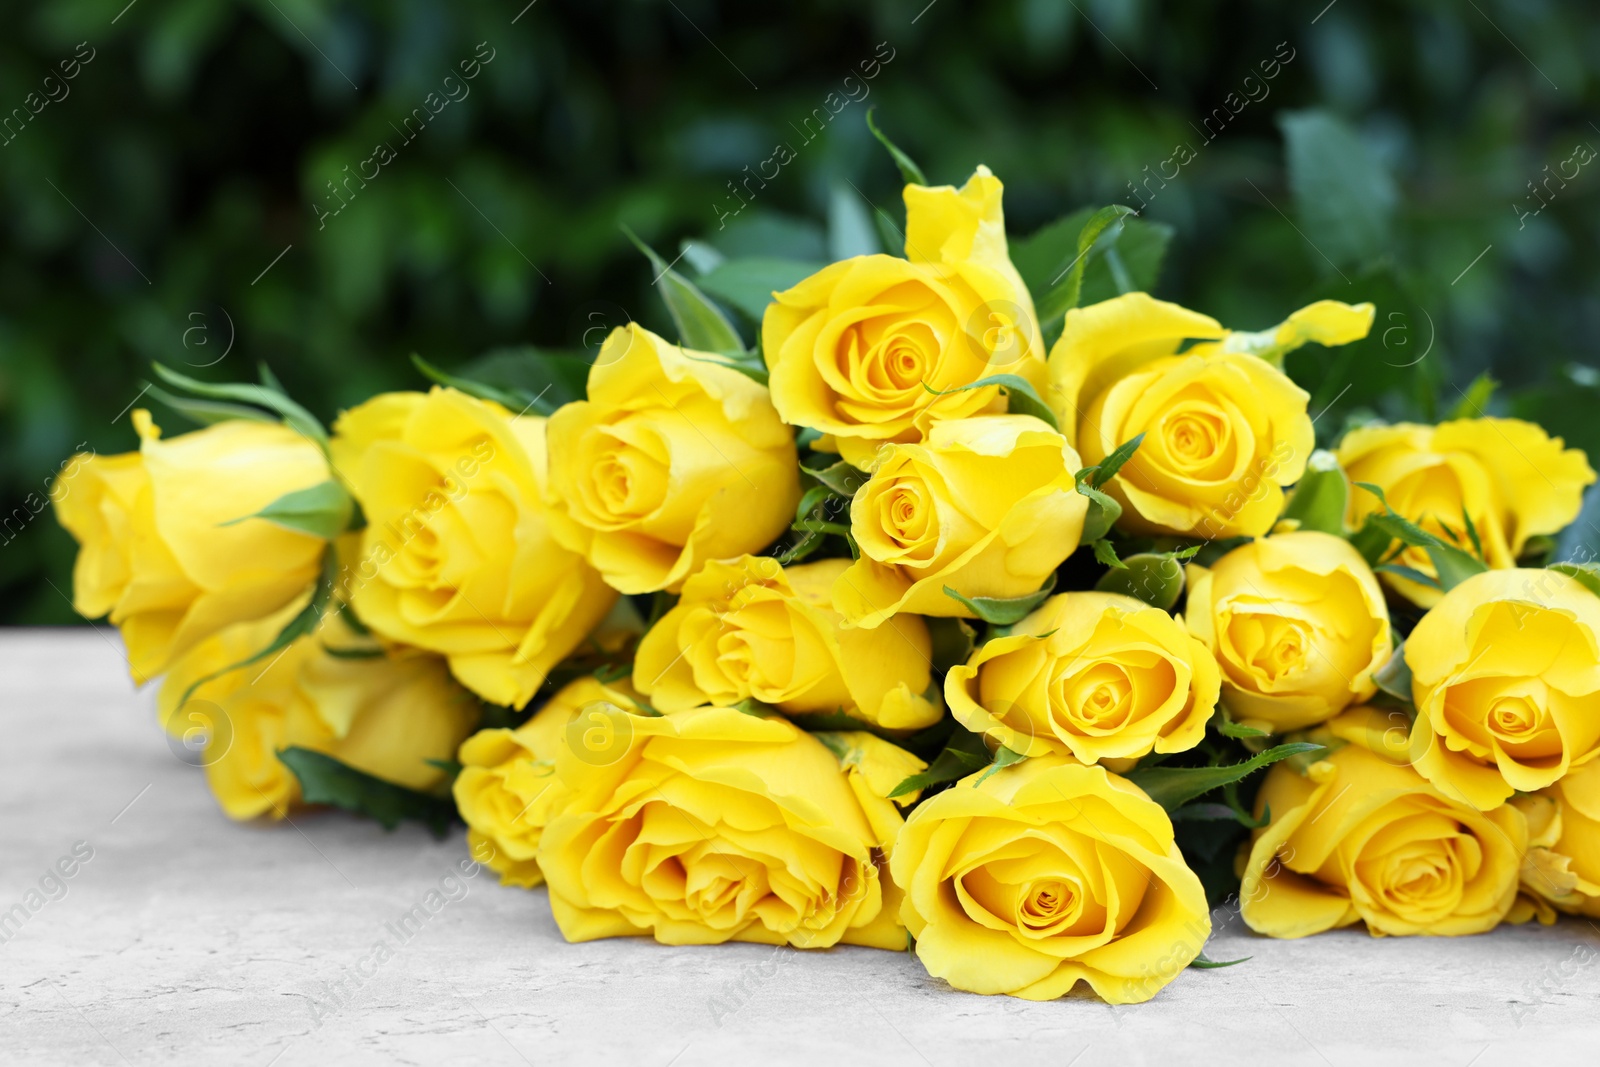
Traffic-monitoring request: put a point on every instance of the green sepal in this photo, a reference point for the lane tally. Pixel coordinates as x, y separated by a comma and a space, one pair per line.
480, 390
1321, 496
701, 323
323, 510
998, 611
293, 415
1021, 397
909, 171
1394, 677
207, 412
1154, 577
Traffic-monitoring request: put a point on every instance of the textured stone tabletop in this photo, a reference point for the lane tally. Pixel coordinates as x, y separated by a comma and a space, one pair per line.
184, 938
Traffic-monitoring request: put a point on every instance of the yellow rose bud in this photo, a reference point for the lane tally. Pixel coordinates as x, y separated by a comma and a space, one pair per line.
752, 628
1504, 674
1092, 675
458, 556
386, 713
1562, 864
711, 825
1509, 477
160, 550
1298, 624
673, 460
987, 506
1224, 429
507, 789
1365, 838
868, 349
1044, 874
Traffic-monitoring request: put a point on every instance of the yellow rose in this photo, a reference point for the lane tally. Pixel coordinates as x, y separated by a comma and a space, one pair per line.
1364, 837
752, 628
507, 789
384, 712
1511, 478
987, 506
1225, 429
1297, 622
673, 460
863, 349
1505, 674
1046, 873
711, 825
1562, 864
160, 550
1093, 675
458, 556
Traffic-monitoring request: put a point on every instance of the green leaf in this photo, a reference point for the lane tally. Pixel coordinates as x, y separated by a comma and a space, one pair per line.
1106, 469
1003, 611
303, 624
1202, 813
293, 415
322, 510
1102, 515
701, 324
1022, 398
326, 780
1453, 565
1475, 401
1343, 195
1066, 288
1153, 577
1172, 787
207, 412
953, 641
1205, 964
1124, 259
1106, 553
1394, 677
964, 754
1586, 573
748, 284
1005, 757
480, 390
909, 171
1322, 495
541, 379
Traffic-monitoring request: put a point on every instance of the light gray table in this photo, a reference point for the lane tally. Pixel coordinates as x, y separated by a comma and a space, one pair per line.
190, 939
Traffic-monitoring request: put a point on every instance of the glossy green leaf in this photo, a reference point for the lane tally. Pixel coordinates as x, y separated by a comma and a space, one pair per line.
322, 510
1021, 397
748, 284
326, 780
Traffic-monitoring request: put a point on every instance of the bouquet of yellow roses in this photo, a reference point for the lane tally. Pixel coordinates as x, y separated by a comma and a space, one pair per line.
959, 614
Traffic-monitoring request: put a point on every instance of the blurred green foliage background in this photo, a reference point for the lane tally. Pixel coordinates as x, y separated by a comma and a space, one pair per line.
173, 200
